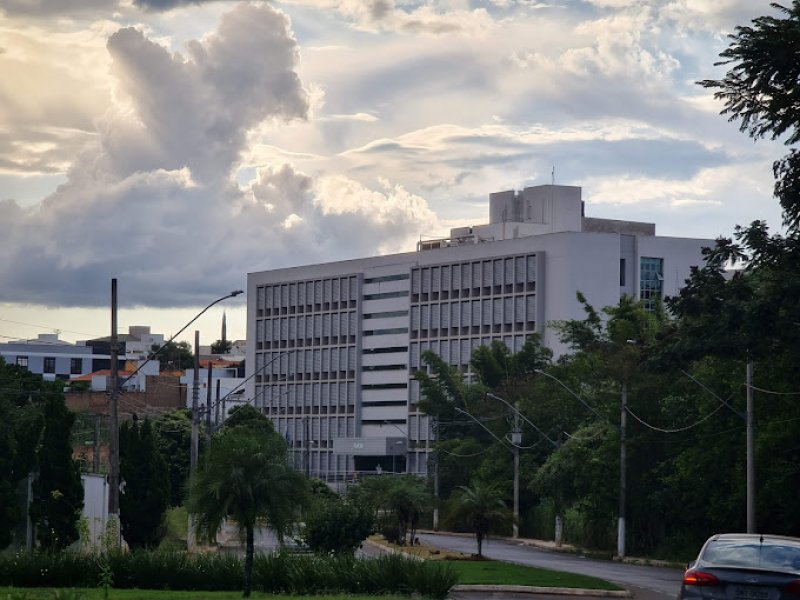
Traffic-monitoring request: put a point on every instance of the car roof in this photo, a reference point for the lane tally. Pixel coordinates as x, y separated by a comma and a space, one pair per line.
755, 537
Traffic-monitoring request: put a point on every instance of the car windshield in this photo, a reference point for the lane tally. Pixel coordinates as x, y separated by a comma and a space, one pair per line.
749, 553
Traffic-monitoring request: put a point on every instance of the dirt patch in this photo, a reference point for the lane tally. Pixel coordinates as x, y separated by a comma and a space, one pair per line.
423, 551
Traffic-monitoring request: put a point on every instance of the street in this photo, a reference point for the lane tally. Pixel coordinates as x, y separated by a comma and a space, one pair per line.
646, 583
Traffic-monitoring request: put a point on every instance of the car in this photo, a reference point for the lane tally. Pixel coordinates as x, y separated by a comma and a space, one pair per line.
744, 566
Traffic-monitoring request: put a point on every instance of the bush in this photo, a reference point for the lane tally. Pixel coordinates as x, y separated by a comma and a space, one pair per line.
272, 573
337, 526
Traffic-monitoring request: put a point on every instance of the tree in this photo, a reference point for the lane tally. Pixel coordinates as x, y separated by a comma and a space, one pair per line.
246, 476
173, 435
481, 506
337, 526
57, 490
20, 429
174, 356
762, 91
144, 502
221, 347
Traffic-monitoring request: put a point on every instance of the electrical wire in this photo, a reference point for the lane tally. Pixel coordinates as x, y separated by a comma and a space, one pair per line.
676, 430
774, 393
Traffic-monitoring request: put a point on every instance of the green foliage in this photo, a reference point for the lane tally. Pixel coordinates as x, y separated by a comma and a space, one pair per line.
280, 573
174, 356
146, 495
173, 435
401, 498
481, 506
57, 490
337, 526
221, 347
246, 476
762, 91
20, 429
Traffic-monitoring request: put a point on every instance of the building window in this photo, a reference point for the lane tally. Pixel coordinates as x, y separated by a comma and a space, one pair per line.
22, 361
385, 295
75, 366
621, 272
389, 331
651, 279
398, 277
49, 364
387, 315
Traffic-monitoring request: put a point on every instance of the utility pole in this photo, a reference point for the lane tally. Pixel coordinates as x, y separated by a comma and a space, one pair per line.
623, 484
96, 445
208, 408
216, 408
113, 476
191, 541
435, 430
195, 402
751, 463
307, 447
516, 440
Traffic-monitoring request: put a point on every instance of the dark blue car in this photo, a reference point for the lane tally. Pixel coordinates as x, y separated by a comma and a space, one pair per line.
742, 566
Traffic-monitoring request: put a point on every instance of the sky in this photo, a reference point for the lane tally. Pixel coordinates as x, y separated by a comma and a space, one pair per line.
178, 145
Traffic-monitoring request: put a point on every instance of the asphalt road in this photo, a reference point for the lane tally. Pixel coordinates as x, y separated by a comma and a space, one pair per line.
646, 583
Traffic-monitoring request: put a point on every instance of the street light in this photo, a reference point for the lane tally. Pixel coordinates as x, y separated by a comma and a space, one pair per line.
113, 477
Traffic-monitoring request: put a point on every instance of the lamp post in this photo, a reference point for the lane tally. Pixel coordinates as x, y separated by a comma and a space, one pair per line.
113, 491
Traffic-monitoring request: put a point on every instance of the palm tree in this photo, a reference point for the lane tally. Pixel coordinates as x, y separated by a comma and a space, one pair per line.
481, 506
246, 477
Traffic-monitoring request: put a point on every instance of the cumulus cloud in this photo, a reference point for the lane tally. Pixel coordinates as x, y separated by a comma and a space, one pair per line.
151, 199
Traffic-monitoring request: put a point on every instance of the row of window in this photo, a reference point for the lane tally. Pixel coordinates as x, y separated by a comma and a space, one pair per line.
500, 272
307, 330
318, 398
49, 364
307, 364
307, 296
467, 313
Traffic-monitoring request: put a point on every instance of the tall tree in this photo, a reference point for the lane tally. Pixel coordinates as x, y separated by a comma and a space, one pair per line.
762, 91
144, 502
174, 434
246, 476
57, 489
20, 429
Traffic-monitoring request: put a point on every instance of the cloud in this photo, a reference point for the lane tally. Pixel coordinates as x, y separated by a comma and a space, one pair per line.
150, 197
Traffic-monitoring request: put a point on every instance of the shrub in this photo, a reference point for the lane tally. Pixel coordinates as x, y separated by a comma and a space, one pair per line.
280, 573
337, 526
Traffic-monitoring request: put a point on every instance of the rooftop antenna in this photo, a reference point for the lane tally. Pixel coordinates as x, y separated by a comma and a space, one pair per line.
553, 175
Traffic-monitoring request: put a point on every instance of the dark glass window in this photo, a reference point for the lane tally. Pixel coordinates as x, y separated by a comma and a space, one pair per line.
49, 364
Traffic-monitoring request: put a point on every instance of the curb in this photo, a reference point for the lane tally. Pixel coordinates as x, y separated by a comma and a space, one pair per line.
553, 591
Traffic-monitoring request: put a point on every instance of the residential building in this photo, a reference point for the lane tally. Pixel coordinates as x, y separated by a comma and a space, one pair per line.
333, 347
50, 357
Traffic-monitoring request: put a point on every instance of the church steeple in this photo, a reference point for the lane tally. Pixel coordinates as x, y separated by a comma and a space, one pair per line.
223, 338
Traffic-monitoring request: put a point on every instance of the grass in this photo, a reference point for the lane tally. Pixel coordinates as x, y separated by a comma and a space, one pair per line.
492, 572
9, 593
177, 522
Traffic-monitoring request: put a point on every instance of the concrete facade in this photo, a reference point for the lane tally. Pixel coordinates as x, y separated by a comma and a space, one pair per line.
333, 347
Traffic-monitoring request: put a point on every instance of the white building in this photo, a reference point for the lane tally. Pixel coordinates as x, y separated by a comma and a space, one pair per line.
334, 346
50, 357
222, 385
